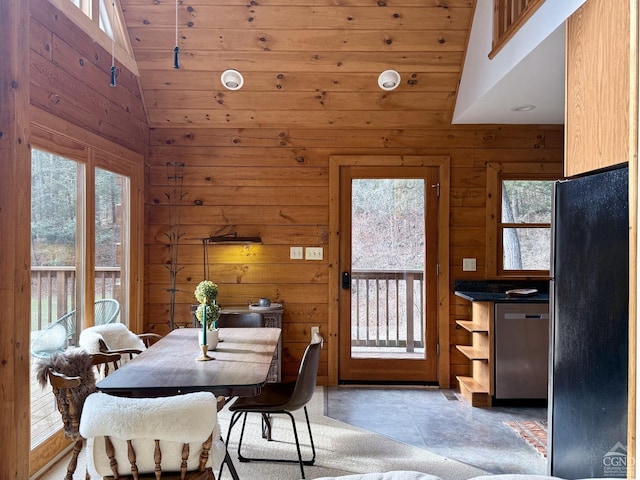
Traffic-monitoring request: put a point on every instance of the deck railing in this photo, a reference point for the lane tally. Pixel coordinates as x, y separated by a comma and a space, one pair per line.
387, 309
508, 17
53, 291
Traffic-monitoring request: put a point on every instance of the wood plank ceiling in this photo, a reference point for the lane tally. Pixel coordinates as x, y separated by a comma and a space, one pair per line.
306, 63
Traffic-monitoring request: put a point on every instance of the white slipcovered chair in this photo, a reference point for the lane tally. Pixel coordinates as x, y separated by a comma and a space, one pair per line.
178, 436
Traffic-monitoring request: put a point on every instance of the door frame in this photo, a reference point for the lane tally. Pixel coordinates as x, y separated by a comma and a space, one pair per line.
336, 162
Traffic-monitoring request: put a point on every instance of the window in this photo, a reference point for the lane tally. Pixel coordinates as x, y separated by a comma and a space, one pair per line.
103, 21
519, 218
86, 259
525, 224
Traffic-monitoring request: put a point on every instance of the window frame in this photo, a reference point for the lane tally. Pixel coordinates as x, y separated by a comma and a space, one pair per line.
496, 173
95, 152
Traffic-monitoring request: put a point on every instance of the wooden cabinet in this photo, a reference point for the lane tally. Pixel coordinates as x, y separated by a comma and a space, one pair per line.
478, 388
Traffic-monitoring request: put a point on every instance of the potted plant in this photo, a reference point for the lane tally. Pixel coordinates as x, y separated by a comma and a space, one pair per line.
208, 312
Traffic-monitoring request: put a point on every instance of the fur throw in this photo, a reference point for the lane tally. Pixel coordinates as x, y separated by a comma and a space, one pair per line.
72, 363
114, 335
184, 418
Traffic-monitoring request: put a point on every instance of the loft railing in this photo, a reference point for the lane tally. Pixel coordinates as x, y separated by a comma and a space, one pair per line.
508, 17
387, 309
53, 291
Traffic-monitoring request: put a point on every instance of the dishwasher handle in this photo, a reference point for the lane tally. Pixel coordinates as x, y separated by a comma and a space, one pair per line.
523, 316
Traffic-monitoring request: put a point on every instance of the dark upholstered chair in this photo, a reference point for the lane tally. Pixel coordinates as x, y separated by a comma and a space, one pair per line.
282, 398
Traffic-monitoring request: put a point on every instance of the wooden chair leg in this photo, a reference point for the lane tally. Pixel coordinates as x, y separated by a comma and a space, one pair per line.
73, 463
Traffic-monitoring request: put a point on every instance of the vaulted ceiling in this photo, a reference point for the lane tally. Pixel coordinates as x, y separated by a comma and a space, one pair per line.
306, 63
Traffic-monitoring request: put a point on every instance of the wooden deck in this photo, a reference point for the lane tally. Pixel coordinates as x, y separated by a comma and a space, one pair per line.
45, 419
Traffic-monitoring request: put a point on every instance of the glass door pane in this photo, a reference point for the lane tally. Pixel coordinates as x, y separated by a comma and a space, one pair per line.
387, 268
55, 287
111, 235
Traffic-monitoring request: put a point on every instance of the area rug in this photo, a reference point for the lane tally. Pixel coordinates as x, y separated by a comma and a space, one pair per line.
533, 432
341, 449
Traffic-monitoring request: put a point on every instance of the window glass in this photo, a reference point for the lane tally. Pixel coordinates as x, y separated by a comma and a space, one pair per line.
526, 224
55, 285
526, 201
526, 248
111, 194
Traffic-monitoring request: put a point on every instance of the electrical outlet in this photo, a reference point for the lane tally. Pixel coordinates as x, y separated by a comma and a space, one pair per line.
313, 253
468, 264
314, 331
295, 253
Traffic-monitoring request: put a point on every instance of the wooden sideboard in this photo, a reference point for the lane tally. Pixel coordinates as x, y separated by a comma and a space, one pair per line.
271, 317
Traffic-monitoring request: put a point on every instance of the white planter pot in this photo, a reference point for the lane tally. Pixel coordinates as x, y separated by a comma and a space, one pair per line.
212, 339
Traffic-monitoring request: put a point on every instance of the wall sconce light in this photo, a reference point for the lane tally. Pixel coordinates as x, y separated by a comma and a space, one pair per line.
389, 80
234, 239
232, 79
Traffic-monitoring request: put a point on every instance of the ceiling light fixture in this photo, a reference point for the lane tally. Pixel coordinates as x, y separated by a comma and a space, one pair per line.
523, 108
112, 70
232, 79
176, 49
389, 80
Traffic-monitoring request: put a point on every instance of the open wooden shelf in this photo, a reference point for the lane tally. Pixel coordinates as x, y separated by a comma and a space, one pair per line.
474, 392
473, 353
478, 388
471, 326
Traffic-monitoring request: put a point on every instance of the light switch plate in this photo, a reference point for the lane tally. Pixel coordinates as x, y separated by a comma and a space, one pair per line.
468, 264
295, 253
313, 253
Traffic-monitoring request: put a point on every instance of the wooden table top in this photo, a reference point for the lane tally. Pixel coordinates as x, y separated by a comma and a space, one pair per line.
169, 367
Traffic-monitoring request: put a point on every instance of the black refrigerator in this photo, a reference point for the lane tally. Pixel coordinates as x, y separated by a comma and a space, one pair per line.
589, 326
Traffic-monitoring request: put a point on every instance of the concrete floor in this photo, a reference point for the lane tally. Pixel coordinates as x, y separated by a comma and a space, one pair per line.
441, 422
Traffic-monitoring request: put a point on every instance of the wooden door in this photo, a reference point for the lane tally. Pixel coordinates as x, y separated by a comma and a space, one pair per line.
388, 264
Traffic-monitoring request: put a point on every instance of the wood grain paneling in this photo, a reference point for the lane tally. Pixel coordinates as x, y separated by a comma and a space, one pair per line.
70, 79
15, 208
244, 178
598, 100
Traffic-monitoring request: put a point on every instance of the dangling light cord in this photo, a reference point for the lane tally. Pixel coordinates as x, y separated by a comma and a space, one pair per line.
176, 49
113, 44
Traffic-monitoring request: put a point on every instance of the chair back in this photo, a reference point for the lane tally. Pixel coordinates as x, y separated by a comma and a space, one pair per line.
240, 320
72, 378
106, 311
153, 435
307, 375
55, 338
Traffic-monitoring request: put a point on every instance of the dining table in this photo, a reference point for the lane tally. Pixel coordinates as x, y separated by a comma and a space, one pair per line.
239, 367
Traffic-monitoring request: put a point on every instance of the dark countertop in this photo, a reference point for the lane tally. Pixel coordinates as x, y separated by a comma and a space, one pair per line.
495, 291
502, 297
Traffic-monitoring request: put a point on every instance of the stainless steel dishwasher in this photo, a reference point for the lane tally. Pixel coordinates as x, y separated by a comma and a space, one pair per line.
521, 337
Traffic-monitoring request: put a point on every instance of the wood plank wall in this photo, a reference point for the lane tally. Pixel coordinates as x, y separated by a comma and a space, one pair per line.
70, 79
15, 211
274, 183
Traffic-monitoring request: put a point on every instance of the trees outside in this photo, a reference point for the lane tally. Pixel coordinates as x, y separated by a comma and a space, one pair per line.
526, 219
54, 211
387, 224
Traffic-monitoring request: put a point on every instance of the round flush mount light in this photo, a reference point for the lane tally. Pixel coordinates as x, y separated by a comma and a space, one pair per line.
523, 108
232, 79
388, 80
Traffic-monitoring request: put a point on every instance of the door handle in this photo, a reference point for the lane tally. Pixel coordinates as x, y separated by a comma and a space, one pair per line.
346, 280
